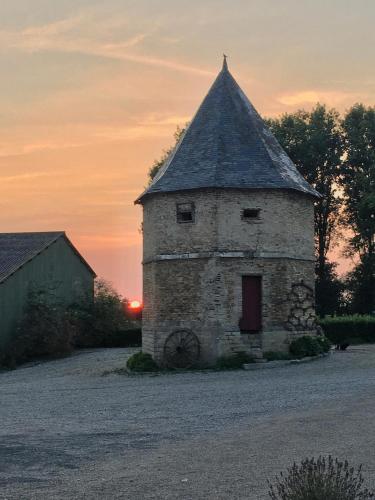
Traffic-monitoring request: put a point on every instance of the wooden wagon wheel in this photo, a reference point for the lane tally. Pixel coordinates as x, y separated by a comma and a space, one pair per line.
181, 349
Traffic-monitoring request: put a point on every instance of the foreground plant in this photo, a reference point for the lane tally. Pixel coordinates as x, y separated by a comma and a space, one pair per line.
141, 362
321, 479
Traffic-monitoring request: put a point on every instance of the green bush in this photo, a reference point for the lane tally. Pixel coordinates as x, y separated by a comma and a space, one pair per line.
141, 362
234, 362
305, 346
354, 329
128, 338
276, 356
122, 338
321, 479
324, 342
44, 331
102, 322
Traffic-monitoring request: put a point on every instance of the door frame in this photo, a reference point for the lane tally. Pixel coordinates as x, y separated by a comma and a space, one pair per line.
252, 275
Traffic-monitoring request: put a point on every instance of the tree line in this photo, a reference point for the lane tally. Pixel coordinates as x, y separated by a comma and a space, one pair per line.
336, 155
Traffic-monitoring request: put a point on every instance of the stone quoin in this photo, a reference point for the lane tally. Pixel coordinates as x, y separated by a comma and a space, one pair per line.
228, 236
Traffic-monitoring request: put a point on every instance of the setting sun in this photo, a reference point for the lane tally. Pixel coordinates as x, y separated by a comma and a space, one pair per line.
134, 304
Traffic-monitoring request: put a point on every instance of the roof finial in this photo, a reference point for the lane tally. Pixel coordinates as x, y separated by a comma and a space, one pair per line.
225, 64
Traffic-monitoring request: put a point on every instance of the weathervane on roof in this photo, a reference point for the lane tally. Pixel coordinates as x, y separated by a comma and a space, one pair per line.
225, 64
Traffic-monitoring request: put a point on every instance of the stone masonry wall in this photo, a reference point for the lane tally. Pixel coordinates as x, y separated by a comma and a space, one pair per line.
285, 226
193, 271
205, 296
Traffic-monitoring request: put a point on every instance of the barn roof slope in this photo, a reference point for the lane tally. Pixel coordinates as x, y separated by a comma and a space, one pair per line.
227, 145
16, 249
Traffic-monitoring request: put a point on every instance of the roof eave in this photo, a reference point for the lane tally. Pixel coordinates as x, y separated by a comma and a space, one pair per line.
311, 192
138, 201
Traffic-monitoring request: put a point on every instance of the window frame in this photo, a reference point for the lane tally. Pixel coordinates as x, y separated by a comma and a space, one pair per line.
255, 218
179, 220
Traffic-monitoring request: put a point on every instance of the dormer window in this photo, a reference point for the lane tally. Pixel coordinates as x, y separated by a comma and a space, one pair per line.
250, 214
185, 212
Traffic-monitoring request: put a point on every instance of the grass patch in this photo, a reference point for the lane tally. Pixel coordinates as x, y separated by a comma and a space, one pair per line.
141, 362
233, 362
277, 356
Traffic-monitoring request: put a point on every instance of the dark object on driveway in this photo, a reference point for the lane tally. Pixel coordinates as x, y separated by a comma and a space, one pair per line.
342, 347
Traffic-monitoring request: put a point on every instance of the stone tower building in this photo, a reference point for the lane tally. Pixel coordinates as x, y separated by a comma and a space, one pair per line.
228, 230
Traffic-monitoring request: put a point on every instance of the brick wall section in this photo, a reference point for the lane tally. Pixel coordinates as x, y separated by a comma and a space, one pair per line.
203, 294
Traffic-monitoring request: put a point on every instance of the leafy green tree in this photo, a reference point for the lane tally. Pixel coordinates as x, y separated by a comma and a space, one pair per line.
99, 321
359, 285
156, 166
358, 182
330, 291
314, 142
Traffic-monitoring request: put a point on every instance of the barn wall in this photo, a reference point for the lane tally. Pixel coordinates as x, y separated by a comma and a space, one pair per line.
57, 269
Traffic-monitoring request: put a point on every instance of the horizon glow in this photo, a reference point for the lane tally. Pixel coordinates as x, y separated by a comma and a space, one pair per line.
92, 93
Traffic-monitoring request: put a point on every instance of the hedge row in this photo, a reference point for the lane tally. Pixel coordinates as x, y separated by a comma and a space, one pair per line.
354, 329
109, 338
124, 338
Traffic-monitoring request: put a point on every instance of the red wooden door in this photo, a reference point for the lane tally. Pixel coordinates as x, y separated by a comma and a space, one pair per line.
251, 320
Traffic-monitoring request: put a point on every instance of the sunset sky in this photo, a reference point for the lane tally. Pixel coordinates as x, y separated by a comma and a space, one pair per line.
91, 92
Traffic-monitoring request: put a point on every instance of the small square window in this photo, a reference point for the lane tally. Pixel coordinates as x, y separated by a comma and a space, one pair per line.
185, 212
250, 213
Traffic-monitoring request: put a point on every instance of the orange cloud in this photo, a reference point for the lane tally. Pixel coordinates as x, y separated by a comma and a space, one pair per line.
60, 36
26, 177
314, 96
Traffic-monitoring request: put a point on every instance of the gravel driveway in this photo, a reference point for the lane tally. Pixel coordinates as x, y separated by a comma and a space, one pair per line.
68, 432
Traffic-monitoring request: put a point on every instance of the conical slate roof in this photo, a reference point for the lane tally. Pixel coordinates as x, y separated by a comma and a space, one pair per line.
227, 145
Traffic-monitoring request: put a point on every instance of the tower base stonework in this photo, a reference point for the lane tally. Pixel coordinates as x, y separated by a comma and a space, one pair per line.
203, 296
